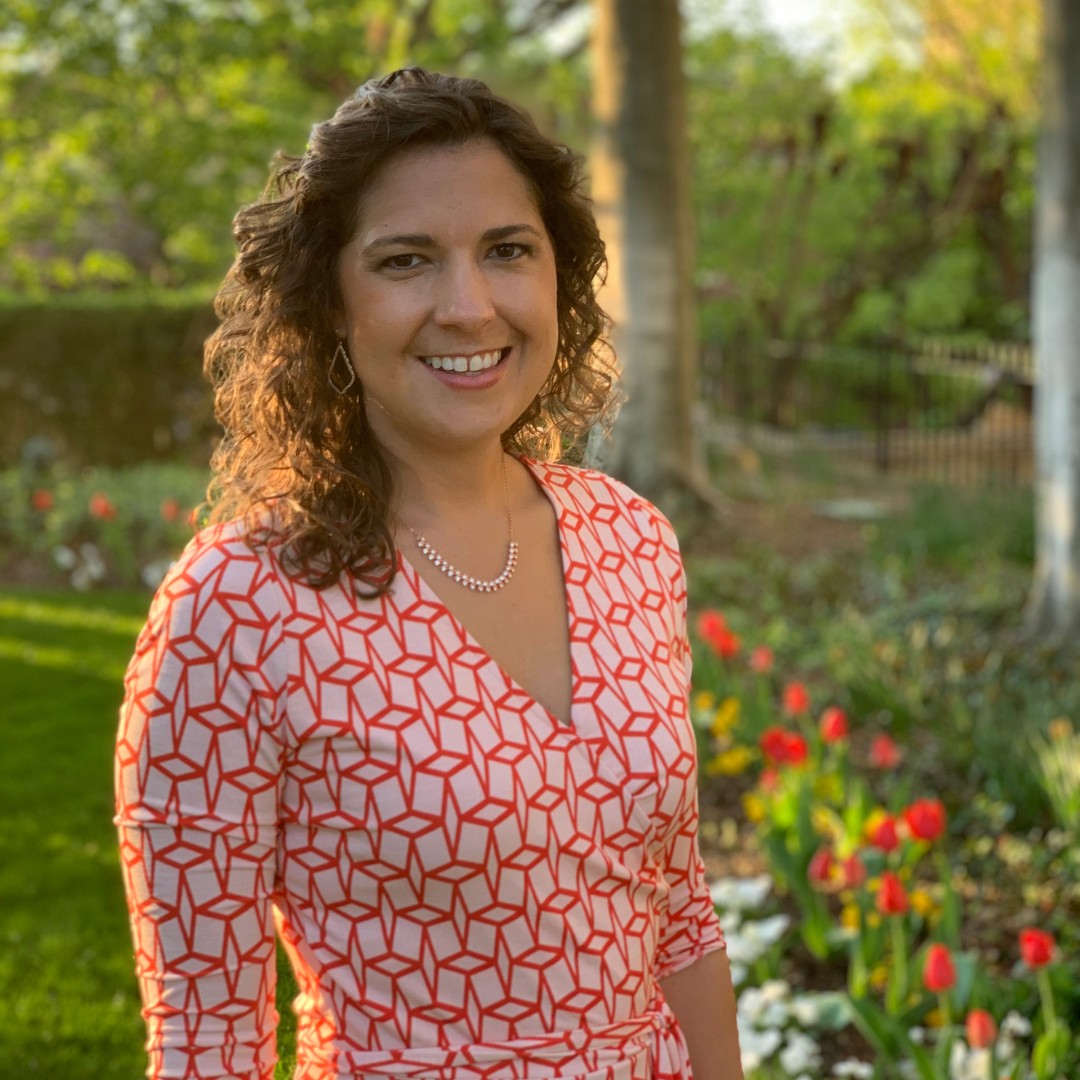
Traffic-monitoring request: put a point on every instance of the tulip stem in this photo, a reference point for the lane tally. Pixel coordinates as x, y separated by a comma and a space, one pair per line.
898, 983
1046, 995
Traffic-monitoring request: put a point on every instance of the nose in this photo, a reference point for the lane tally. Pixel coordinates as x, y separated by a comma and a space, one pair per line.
464, 297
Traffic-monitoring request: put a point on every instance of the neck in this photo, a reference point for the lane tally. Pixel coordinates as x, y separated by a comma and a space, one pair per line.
455, 486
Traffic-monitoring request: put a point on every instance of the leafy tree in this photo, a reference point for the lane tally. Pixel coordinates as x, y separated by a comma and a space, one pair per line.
133, 129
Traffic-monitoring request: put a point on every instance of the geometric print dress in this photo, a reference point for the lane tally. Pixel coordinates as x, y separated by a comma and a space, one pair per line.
467, 888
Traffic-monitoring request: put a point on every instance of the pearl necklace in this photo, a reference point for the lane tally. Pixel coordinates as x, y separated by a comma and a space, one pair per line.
467, 580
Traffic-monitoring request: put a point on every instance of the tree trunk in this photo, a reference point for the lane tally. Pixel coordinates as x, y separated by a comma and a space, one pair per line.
641, 188
1054, 609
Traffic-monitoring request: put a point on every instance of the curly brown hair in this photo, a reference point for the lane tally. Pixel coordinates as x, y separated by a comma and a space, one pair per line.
298, 463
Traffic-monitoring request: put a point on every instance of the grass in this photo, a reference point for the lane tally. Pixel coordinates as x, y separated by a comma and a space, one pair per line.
66, 973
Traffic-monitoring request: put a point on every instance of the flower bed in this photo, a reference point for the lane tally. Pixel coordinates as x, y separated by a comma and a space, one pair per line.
867, 867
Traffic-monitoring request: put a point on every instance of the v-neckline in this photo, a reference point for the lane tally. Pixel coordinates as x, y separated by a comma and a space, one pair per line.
425, 592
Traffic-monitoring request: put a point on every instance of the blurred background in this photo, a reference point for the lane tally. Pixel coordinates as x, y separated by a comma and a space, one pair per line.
839, 415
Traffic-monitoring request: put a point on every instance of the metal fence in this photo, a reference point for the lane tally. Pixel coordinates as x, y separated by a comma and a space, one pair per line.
933, 411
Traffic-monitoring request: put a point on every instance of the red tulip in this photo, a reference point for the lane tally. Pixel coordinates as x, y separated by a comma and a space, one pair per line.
101, 507
925, 819
1036, 947
761, 659
834, 725
797, 749
884, 753
891, 897
42, 500
170, 510
939, 974
883, 835
769, 779
821, 868
980, 1029
710, 624
796, 699
853, 871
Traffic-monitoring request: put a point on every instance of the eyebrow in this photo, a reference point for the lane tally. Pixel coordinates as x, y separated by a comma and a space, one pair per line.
426, 240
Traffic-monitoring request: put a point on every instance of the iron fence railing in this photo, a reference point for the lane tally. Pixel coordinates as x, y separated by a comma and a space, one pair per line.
932, 410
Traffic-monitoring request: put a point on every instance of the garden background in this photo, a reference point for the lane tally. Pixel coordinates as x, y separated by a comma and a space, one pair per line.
890, 771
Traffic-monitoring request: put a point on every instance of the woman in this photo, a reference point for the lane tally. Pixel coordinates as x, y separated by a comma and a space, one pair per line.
419, 696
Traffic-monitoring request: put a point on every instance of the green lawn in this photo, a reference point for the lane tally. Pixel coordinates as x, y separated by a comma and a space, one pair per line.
66, 978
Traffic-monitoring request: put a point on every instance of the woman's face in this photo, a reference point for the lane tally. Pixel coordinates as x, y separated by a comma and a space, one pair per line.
448, 299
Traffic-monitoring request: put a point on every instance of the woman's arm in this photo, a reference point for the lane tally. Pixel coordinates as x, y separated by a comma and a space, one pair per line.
703, 1001
197, 765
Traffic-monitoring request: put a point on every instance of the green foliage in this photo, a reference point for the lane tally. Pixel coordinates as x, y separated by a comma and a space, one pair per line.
131, 132
893, 205
97, 526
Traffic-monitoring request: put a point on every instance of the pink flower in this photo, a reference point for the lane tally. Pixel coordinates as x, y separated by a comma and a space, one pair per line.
796, 700
884, 753
834, 725
761, 660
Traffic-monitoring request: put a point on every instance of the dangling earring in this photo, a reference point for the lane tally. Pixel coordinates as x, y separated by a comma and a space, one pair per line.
340, 355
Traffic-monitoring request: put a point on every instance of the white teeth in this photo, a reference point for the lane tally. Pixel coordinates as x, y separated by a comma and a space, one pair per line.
477, 362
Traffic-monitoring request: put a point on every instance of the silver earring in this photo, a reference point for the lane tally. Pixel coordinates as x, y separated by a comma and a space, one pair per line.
340, 355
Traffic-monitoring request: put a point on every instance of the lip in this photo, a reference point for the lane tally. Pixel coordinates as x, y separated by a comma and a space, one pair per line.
479, 380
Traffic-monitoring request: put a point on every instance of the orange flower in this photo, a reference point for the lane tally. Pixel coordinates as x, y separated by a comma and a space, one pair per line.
1036, 947
101, 507
884, 753
834, 725
882, 833
42, 500
980, 1029
925, 819
891, 896
821, 869
761, 659
714, 631
939, 974
783, 747
853, 871
796, 699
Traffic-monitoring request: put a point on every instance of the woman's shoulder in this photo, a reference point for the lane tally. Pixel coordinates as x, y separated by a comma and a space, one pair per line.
600, 496
224, 568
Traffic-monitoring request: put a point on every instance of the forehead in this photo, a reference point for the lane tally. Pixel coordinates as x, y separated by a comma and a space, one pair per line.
471, 184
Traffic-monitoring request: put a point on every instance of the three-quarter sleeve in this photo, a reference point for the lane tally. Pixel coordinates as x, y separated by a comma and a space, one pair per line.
692, 928
198, 765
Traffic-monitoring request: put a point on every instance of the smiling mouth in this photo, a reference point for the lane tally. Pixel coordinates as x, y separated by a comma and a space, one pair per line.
467, 365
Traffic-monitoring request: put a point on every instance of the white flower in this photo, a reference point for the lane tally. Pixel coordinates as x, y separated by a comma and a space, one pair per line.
65, 558
81, 579
738, 973
965, 1064
741, 894
757, 1047
811, 1010
154, 573
1016, 1026
765, 1006
800, 1053
853, 1067
917, 1035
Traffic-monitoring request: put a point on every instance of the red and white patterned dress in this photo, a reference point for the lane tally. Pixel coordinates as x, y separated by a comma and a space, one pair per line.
467, 888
